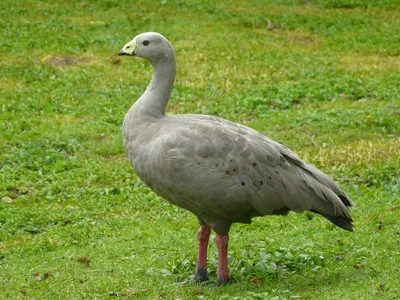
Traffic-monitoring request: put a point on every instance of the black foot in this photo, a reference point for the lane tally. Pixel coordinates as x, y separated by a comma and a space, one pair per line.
201, 275
221, 282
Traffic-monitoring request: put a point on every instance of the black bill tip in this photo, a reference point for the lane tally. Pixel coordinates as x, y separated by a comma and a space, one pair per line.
121, 52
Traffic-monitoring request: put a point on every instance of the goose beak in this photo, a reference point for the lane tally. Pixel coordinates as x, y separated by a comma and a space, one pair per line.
122, 52
128, 49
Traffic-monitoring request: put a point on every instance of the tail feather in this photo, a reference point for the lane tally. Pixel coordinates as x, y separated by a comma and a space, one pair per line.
346, 200
342, 222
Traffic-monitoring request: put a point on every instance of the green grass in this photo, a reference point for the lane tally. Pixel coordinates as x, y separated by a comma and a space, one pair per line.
75, 221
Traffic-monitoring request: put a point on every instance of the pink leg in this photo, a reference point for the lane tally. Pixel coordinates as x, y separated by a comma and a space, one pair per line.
222, 246
203, 236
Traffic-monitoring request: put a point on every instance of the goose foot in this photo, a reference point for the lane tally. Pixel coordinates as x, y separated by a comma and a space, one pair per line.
201, 275
221, 282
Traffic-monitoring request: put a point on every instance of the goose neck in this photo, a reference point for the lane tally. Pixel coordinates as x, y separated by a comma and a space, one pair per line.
155, 99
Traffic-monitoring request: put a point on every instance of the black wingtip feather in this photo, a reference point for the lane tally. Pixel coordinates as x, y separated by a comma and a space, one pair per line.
342, 222
346, 201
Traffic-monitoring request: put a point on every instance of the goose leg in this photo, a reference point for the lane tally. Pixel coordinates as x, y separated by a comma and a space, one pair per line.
203, 236
222, 246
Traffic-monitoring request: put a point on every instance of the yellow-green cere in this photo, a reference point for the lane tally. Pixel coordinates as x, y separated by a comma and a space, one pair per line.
130, 47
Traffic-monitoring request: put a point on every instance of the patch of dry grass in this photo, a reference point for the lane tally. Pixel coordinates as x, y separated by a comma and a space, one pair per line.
360, 154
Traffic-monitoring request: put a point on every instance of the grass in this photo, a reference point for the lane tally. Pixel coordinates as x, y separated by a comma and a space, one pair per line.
75, 221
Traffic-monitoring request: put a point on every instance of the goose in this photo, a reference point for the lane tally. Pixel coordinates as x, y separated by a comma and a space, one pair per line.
221, 171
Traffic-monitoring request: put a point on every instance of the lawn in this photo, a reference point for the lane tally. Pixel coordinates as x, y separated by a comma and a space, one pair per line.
321, 77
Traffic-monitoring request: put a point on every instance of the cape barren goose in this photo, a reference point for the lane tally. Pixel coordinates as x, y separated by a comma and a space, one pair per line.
221, 171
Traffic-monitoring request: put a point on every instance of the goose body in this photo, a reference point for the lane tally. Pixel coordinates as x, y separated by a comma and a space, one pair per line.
221, 171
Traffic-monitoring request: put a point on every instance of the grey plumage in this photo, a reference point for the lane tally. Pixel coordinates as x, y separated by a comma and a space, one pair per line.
221, 171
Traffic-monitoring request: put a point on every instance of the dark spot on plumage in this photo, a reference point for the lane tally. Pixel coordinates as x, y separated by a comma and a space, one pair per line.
276, 172
234, 169
227, 172
270, 177
261, 182
243, 183
223, 163
254, 183
254, 164
231, 160
198, 163
216, 164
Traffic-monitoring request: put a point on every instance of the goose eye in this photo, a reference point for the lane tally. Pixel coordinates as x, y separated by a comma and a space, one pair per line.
146, 43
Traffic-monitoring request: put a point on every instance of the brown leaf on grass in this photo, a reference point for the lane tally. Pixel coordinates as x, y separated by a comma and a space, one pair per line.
114, 60
359, 266
256, 282
66, 60
273, 103
126, 293
84, 261
380, 225
38, 277
197, 293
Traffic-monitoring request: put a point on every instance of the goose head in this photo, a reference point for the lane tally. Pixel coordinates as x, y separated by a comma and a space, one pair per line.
151, 46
